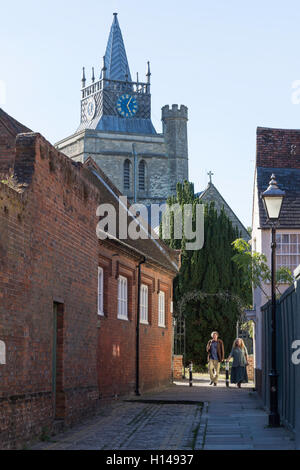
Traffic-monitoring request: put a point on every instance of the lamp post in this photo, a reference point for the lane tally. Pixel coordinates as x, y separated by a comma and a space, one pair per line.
272, 199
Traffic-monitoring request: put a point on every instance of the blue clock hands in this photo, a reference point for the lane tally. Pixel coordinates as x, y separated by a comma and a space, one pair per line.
127, 105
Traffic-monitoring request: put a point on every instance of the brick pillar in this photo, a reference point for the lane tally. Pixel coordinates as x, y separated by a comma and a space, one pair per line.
177, 367
250, 368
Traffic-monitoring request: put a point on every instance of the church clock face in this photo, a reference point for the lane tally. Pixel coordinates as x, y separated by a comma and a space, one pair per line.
127, 105
90, 108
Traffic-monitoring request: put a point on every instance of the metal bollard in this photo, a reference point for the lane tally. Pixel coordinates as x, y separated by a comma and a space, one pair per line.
227, 373
191, 374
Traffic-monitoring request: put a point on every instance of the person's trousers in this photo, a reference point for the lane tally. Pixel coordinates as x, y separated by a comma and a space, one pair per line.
214, 370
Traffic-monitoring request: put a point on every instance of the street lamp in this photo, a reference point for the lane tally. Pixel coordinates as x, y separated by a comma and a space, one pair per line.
272, 199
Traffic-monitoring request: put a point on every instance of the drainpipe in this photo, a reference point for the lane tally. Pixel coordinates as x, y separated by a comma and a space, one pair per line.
137, 377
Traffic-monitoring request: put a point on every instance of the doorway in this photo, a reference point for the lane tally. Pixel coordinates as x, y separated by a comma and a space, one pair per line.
57, 364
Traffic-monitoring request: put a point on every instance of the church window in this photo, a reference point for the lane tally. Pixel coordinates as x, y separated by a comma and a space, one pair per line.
142, 178
127, 168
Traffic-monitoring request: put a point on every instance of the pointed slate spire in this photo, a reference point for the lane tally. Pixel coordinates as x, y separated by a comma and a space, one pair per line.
115, 56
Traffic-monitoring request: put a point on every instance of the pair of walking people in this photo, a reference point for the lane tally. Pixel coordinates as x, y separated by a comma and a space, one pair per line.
239, 354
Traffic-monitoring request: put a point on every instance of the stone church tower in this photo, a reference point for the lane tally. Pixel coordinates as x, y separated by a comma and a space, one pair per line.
117, 132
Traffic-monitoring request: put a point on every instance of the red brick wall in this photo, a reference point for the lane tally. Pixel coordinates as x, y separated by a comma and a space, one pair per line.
156, 342
278, 148
7, 150
117, 338
49, 252
177, 367
9, 128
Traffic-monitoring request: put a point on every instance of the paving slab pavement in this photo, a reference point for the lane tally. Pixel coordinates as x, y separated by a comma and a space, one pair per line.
179, 418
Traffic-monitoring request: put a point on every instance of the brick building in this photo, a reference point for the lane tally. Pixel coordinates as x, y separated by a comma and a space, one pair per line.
116, 130
68, 310
278, 152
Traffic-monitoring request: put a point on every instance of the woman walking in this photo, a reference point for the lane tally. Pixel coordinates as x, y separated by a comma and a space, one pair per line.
239, 354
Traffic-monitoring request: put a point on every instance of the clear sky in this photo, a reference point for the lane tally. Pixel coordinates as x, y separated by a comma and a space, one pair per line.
232, 63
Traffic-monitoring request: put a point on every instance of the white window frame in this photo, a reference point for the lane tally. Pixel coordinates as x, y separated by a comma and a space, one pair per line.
144, 304
122, 298
286, 250
2, 353
161, 309
100, 290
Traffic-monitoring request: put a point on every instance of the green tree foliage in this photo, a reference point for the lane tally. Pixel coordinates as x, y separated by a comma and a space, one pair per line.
255, 269
208, 290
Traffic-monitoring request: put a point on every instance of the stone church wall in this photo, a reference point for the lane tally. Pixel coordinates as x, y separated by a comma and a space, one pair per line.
165, 155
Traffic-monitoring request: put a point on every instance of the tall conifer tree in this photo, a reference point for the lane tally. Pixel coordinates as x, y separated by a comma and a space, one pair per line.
208, 289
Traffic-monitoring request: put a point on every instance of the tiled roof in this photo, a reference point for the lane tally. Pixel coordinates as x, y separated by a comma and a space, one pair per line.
115, 56
11, 124
288, 179
277, 148
211, 194
154, 250
119, 124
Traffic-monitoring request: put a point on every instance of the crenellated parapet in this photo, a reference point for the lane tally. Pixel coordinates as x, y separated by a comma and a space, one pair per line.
176, 111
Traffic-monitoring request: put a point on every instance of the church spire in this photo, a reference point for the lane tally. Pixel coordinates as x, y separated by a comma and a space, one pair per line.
116, 63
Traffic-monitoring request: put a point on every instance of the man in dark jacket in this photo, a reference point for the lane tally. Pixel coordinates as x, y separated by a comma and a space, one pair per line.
215, 349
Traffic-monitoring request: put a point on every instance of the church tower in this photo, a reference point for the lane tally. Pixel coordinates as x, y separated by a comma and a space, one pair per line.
175, 132
115, 102
117, 132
